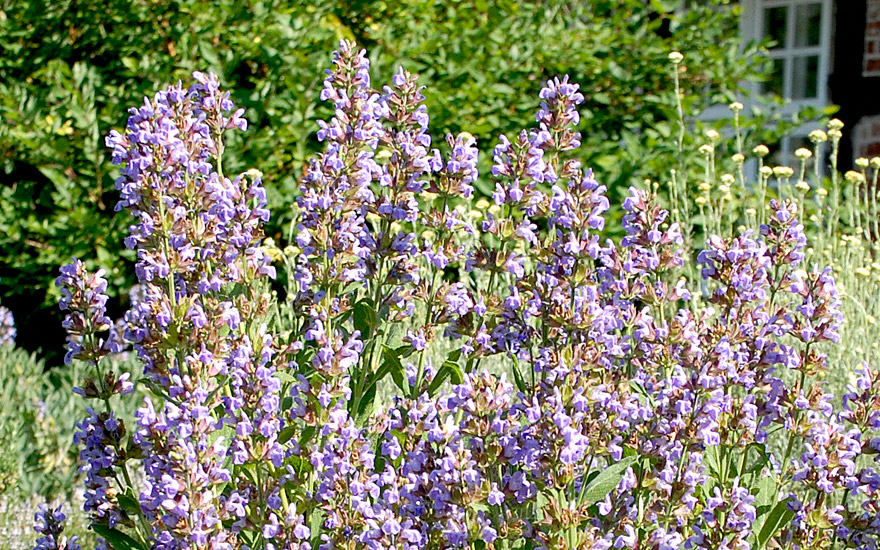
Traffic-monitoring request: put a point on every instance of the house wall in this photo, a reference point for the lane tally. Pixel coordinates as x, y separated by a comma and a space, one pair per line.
855, 82
871, 58
866, 132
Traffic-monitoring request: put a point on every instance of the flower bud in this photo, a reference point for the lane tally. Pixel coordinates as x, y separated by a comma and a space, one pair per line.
88, 388
783, 171
852, 176
818, 136
803, 153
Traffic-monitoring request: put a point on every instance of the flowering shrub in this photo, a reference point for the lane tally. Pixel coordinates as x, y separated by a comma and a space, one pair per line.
551, 389
63, 91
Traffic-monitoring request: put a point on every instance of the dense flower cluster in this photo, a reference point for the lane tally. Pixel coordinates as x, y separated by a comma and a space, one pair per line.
7, 327
635, 409
50, 524
83, 297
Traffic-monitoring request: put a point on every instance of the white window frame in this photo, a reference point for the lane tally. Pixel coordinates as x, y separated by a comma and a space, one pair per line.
751, 29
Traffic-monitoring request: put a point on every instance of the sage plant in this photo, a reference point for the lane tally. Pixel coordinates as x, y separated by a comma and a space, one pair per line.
542, 386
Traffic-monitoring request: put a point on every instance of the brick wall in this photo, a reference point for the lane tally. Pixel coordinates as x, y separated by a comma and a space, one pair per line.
871, 65
866, 137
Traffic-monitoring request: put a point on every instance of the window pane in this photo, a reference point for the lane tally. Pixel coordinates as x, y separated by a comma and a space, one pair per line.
805, 77
774, 25
808, 25
776, 78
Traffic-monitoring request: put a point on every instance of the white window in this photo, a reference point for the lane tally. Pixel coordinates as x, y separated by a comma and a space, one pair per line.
800, 55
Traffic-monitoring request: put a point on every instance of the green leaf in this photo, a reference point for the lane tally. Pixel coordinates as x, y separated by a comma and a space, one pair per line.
315, 523
760, 462
128, 502
365, 319
395, 367
365, 407
766, 487
227, 433
300, 465
664, 6
209, 54
404, 351
449, 369
307, 435
714, 459
384, 370
287, 433
606, 481
778, 517
116, 539
285, 377
541, 502
518, 379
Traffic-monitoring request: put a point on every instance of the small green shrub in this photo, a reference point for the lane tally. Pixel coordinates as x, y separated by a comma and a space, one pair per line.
38, 459
36, 425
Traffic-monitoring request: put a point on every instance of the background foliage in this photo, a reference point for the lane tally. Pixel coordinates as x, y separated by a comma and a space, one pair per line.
69, 68
38, 461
